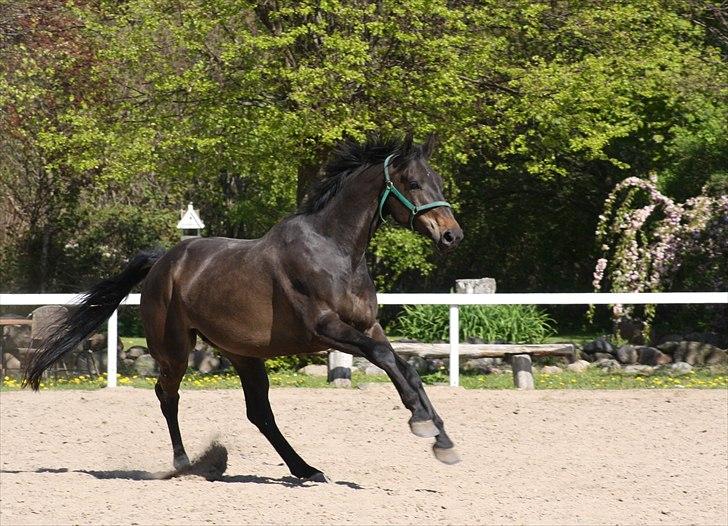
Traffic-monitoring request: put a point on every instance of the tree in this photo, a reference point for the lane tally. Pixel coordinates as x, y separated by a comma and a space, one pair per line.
542, 108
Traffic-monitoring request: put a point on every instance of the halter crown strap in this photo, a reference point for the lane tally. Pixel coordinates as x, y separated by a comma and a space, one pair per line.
389, 188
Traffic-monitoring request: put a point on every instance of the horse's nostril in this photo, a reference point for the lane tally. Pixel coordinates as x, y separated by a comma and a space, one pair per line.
448, 237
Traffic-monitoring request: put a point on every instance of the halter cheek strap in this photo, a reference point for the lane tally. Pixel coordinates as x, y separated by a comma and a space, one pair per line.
389, 188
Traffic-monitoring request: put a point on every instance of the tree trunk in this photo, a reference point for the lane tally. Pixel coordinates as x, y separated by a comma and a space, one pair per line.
44, 251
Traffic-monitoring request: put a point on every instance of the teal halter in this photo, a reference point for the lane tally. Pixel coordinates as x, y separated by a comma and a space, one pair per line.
389, 188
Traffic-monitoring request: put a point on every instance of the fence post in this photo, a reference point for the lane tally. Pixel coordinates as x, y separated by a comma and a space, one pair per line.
454, 345
111, 350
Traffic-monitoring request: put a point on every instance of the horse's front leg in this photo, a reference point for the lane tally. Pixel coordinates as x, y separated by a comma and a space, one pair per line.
443, 448
346, 338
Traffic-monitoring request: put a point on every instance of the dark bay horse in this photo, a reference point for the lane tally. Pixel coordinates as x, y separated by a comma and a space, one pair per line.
303, 287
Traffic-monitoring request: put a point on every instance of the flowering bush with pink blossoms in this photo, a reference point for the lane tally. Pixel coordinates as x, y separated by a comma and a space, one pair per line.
650, 243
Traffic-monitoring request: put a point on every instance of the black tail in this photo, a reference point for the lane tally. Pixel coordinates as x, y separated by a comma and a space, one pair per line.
96, 306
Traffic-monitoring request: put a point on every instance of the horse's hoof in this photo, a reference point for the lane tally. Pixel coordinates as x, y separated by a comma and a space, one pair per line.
318, 477
181, 461
446, 456
424, 428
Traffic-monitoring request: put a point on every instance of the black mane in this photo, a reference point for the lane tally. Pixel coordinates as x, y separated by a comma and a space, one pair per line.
351, 155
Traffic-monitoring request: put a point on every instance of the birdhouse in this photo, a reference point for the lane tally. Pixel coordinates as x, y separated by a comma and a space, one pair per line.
190, 223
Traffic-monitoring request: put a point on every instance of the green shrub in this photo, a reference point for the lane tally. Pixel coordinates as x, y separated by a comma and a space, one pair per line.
491, 323
293, 363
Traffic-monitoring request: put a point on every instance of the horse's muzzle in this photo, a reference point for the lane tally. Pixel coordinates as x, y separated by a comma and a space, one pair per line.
450, 239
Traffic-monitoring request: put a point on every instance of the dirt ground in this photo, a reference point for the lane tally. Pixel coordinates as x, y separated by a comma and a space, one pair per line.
539, 457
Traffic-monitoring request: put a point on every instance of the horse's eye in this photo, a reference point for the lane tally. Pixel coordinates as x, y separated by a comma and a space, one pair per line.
414, 185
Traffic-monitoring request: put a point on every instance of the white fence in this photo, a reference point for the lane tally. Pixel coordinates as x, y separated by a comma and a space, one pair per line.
454, 300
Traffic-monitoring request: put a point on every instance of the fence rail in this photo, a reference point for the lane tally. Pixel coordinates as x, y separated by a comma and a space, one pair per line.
453, 300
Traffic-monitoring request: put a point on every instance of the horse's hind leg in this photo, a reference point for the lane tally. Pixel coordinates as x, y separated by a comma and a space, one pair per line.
167, 389
170, 344
255, 383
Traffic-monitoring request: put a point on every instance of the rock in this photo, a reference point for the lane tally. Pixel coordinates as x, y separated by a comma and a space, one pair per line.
634, 370
668, 338
200, 355
551, 369
578, 366
586, 356
716, 357
341, 383
136, 351
145, 365
437, 364
694, 353
609, 365
627, 354
373, 370
680, 368
201, 345
689, 352
314, 370
359, 364
209, 364
419, 363
11, 362
127, 363
475, 286
478, 366
652, 356
599, 345
97, 342
603, 356
224, 364
475, 339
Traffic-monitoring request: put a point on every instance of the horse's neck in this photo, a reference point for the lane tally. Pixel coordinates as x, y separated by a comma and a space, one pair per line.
351, 216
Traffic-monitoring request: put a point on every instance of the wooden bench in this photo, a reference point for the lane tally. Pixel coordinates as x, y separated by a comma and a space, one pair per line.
339, 363
520, 355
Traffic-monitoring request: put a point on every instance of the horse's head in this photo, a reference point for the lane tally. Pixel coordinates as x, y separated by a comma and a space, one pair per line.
413, 195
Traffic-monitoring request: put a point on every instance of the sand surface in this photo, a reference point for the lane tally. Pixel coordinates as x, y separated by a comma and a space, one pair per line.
539, 457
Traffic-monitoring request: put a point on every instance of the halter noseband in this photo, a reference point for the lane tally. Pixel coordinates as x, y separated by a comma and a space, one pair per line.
389, 188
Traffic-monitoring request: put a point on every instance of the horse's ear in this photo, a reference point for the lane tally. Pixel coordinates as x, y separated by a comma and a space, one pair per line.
408, 144
429, 146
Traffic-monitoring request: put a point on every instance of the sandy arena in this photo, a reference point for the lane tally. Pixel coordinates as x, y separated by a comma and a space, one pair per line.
539, 457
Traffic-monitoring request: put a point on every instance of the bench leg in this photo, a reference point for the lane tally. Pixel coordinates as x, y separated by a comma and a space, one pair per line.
522, 373
340, 364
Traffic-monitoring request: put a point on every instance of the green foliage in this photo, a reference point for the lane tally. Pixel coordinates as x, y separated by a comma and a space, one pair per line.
130, 110
395, 251
491, 323
294, 362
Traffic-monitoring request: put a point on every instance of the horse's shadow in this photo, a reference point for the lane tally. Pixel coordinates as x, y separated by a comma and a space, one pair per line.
136, 474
